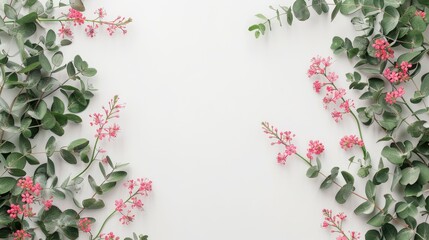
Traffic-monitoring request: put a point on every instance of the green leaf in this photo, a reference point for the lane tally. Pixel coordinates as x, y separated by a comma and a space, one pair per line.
44, 62
337, 43
48, 121
377, 220
344, 193
50, 168
89, 72
349, 6
390, 19
16, 160
10, 12
57, 59
422, 231
107, 186
407, 57
389, 231
393, 155
116, 176
57, 106
261, 16
289, 16
410, 175
300, 10
78, 144
94, 185
418, 23
6, 184
336, 10
31, 17
71, 71
348, 177
372, 235
77, 5
312, 172
73, 118
92, 203
365, 208
405, 234
68, 156
416, 129
370, 190
381, 176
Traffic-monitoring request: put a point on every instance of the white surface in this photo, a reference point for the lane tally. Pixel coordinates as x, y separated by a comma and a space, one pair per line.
197, 85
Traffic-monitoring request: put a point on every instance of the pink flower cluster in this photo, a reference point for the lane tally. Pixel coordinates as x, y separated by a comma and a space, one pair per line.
102, 119
383, 51
84, 224
420, 14
29, 196
350, 141
398, 73
334, 95
392, 96
335, 223
108, 236
21, 235
77, 18
136, 189
314, 148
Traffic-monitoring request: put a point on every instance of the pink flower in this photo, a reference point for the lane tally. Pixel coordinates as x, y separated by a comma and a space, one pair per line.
392, 96
101, 13
290, 149
21, 235
118, 23
65, 31
342, 238
14, 211
126, 219
420, 14
314, 148
346, 105
397, 74
109, 236
27, 211
137, 203
317, 86
337, 116
120, 205
47, 203
348, 142
90, 30
27, 197
101, 120
318, 66
382, 49
76, 16
84, 225
332, 77
281, 158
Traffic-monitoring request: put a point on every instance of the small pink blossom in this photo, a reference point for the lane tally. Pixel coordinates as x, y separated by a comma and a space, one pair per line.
420, 14
391, 97
47, 203
27, 211
337, 116
314, 148
109, 236
334, 223
120, 205
332, 77
290, 149
65, 31
281, 158
117, 24
27, 197
318, 65
398, 73
84, 225
382, 49
76, 16
126, 219
90, 30
21, 235
101, 13
137, 203
350, 141
14, 211
346, 105
317, 86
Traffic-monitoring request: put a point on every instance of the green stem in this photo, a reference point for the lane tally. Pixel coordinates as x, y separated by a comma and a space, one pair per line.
93, 155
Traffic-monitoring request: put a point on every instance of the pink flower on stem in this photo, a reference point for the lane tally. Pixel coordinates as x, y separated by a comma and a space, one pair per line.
84, 225
137, 203
420, 14
76, 16
27, 197
100, 120
47, 203
398, 73
317, 86
314, 148
127, 218
318, 65
392, 96
335, 224
332, 77
21, 235
120, 205
118, 24
101, 13
27, 211
281, 138
281, 158
337, 116
350, 141
382, 49
346, 105
90, 30
109, 236
14, 211
65, 31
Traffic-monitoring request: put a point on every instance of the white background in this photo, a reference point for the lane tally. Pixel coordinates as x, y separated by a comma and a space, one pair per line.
197, 86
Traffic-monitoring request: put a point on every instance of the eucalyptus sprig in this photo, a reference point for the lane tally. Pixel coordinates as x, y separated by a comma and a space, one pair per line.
387, 52
42, 95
